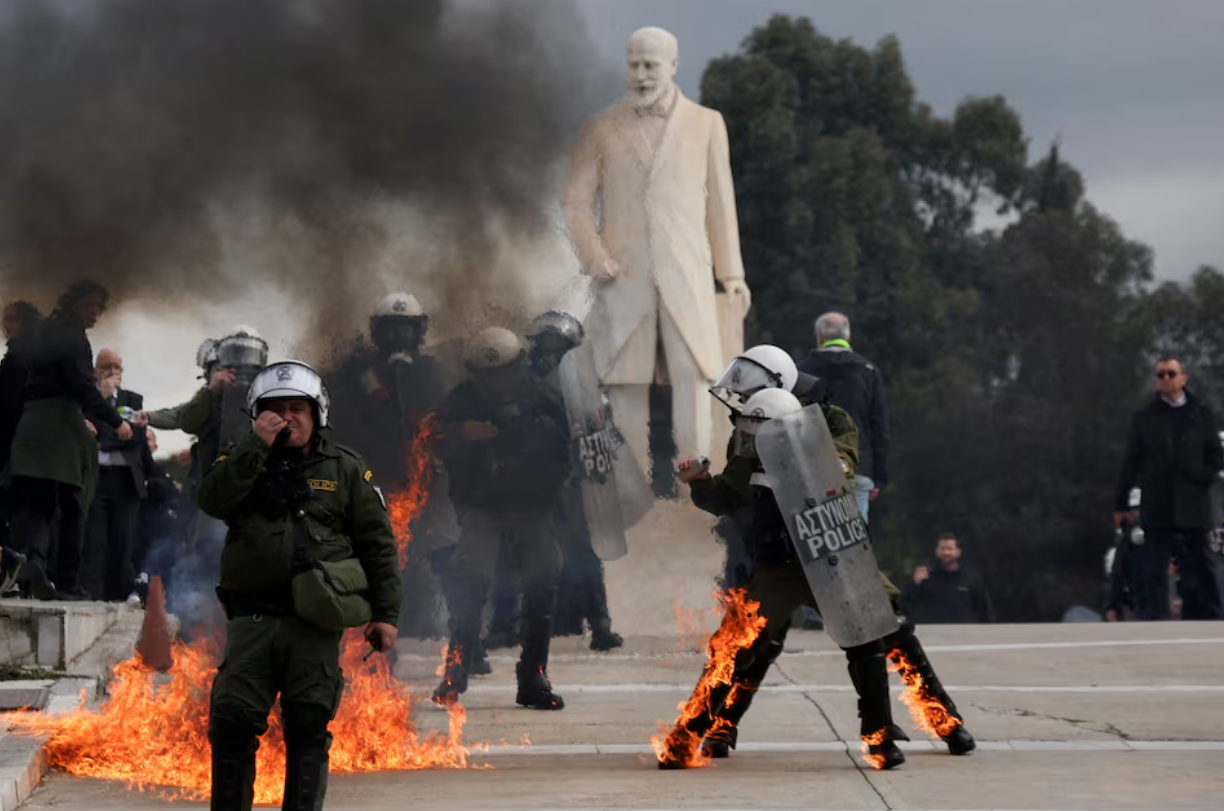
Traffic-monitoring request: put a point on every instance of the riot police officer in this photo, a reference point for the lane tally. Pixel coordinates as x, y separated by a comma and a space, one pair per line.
582, 595
505, 444
308, 552
383, 391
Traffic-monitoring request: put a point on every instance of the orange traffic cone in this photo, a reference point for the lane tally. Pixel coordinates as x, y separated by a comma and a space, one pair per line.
154, 643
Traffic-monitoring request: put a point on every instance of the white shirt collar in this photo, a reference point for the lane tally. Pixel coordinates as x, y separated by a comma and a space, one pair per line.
1178, 403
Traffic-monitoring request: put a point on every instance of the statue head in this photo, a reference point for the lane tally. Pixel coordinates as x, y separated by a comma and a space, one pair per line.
651, 60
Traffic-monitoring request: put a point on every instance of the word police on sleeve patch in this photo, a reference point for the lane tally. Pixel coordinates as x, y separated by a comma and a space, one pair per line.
323, 484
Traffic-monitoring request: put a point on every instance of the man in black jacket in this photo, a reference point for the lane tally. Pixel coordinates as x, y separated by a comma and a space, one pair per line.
21, 320
54, 458
110, 531
853, 385
948, 592
1174, 457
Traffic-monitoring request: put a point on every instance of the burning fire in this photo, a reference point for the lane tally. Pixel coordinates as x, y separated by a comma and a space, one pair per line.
874, 739
739, 629
154, 733
929, 713
406, 506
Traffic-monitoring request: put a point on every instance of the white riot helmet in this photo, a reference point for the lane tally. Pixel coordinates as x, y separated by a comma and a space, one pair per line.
767, 404
399, 305
493, 348
758, 368
289, 380
242, 348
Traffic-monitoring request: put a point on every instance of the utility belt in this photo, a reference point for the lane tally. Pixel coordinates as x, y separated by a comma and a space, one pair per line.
239, 604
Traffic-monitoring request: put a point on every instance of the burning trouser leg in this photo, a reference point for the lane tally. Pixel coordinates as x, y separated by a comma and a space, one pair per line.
718, 703
930, 704
454, 592
725, 732
869, 672
267, 655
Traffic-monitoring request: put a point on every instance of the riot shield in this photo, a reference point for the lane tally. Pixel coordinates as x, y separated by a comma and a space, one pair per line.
594, 452
829, 534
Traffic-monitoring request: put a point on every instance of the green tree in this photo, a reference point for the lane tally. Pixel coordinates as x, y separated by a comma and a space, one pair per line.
1012, 359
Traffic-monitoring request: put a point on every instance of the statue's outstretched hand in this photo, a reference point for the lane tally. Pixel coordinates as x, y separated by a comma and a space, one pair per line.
607, 271
738, 288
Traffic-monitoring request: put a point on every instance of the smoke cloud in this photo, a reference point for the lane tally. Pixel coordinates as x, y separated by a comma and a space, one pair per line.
316, 152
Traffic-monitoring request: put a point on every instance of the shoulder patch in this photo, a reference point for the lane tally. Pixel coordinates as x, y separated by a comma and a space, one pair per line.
369, 474
220, 458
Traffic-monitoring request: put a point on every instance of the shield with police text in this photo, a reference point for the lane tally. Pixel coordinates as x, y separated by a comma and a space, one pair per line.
595, 452
816, 498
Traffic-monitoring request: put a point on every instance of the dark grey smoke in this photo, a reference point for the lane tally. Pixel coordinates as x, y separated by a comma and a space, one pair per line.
127, 126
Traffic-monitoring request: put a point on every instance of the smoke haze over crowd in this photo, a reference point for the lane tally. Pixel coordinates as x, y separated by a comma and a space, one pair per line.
314, 153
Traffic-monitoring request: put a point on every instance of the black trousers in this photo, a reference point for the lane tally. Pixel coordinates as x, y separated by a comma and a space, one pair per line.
1197, 582
48, 528
110, 536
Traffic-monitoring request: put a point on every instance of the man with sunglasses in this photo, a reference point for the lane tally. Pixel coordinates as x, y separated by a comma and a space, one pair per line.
1174, 456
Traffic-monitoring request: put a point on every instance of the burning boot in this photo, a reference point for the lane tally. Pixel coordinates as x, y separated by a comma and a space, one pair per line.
932, 707
869, 672
603, 638
534, 689
722, 737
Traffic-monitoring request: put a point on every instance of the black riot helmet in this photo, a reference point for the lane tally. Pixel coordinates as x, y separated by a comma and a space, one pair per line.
552, 334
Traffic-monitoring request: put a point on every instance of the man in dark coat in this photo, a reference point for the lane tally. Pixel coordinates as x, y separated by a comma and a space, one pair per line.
110, 531
1174, 457
948, 592
854, 385
54, 458
21, 320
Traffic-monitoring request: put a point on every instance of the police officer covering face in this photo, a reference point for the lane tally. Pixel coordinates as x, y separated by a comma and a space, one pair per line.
505, 443
309, 552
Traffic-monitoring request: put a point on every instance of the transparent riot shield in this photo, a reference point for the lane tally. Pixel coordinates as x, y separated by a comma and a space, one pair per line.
594, 451
829, 534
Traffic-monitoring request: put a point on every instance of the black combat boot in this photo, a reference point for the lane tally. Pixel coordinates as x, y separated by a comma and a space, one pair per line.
603, 638
534, 689
234, 741
751, 666
869, 673
904, 643
307, 742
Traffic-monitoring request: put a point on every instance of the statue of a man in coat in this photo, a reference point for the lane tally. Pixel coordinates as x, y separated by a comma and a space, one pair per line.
650, 207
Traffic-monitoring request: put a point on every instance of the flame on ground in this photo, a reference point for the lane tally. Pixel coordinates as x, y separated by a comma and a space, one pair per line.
405, 506
153, 730
874, 739
740, 627
928, 712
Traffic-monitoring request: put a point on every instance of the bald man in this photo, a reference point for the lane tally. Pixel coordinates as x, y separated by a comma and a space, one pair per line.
123, 465
650, 206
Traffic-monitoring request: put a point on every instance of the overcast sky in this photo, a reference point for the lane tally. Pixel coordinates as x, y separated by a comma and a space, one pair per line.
1133, 89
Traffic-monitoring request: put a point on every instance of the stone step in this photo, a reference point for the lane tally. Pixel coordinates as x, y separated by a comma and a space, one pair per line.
56, 633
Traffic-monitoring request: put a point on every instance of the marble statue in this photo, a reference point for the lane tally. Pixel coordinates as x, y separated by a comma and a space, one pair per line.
650, 207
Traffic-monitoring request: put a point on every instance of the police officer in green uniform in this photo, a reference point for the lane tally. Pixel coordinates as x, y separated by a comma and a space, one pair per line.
505, 444
308, 531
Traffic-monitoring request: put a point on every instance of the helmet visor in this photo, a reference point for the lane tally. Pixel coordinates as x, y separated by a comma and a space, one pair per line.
236, 353
745, 377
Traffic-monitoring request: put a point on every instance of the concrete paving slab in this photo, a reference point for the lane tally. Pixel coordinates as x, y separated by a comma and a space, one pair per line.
1069, 717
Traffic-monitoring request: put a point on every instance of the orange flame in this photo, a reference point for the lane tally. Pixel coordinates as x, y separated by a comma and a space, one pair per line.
154, 734
740, 627
874, 739
929, 713
405, 506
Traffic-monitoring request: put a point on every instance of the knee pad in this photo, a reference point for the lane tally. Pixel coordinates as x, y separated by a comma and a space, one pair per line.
231, 727
305, 723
